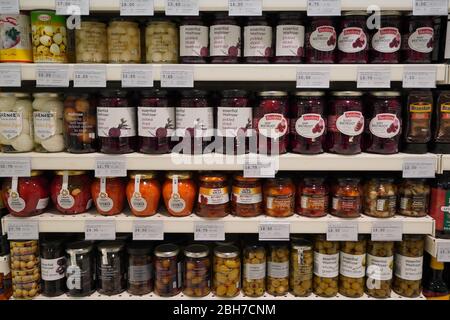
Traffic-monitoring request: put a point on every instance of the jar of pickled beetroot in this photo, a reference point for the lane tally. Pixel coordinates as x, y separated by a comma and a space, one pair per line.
26, 196
71, 191
320, 40
116, 122
347, 197
179, 192
384, 122
270, 120
194, 37
418, 39
234, 122
386, 40
213, 196
279, 197
168, 270
307, 125
441, 141
246, 196
156, 122
312, 197
109, 195
258, 40
194, 122
225, 39
345, 123
352, 40
143, 193
290, 38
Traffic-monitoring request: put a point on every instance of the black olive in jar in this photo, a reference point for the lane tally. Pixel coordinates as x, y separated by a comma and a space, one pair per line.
111, 268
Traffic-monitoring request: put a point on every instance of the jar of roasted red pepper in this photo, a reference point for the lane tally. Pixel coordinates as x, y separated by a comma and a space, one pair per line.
307, 125
258, 40
246, 197
386, 40
418, 39
213, 196
143, 193
347, 197
156, 122
345, 123
270, 119
352, 39
109, 195
312, 197
290, 38
194, 38
441, 143
279, 197
320, 40
225, 39
383, 127
71, 191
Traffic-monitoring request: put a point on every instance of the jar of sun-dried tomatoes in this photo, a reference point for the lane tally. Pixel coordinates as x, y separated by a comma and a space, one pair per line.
279, 197
418, 39
246, 197
386, 40
347, 197
213, 196
320, 40
312, 197
352, 39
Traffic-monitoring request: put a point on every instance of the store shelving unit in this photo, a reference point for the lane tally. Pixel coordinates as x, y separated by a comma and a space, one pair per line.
445, 162
432, 244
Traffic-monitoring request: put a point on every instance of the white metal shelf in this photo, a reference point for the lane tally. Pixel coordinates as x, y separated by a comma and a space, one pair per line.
445, 162
432, 243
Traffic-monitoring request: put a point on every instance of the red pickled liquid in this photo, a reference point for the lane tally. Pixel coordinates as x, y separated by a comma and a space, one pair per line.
81, 198
268, 50
423, 39
349, 23
322, 28
297, 54
386, 42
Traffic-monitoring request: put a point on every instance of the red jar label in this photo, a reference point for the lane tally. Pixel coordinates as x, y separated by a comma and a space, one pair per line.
385, 125
352, 40
323, 38
156, 122
310, 125
386, 40
351, 123
273, 125
422, 40
290, 40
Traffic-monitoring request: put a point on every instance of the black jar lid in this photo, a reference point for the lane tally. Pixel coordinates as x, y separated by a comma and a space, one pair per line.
154, 93
193, 93
51, 244
289, 15
167, 250
114, 93
196, 251
233, 93
139, 248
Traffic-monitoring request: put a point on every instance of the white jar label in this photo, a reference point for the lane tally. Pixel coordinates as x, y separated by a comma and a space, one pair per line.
196, 122
422, 40
257, 41
352, 40
408, 268
116, 122
10, 124
254, 271
65, 200
137, 274
323, 38
380, 268
247, 195
44, 124
105, 203
230, 121
290, 40
385, 125
279, 270
273, 125
5, 263
351, 123
53, 269
42, 203
310, 125
193, 41
386, 40
352, 265
138, 203
177, 204
326, 265
15, 202
225, 40
156, 122
213, 195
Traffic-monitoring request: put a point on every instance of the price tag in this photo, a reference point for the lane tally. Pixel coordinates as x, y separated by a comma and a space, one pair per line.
419, 77
209, 231
10, 75
372, 77
23, 229
274, 231
182, 8
100, 230
72, 7
148, 230
443, 251
89, 76
319, 77
137, 8
110, 167
324, 8
9, 6
419, 168
430, 7
177, 77
245, 7
260, 167
15, 167
137, 76
387, 231
342, 231
52, 75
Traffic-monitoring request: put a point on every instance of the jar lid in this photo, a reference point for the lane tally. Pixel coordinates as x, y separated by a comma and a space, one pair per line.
143, 174
70, 172
309, 93
139, 248
14, 94
297, 242
354, 13
79, 247
113, 93
122, 19
111, 246
240, 177
196, 251
226, 251
167, 250
193, 93
347, 93
182, 175
232, 93
154, 93
272, 94
290, 15
315, 178
391, 13
93, 19
281, 179
160, 20
413, 237
46, 95
212, 177
386, 93
51, 243
349, 179
35, 173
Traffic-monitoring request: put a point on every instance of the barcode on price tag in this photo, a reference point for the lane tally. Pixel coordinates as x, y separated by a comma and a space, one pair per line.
182, 8
443, 251
319, 77
100, 230
245, 7
23, 229
279, 231
9, 6
373, 77
72, 7
110, 167
430, 7
324, 8
137, 8
177, 77
10, 75
342, 231
15, 167
419, 168
52, 75
387, 231
148, 230
419, 77
137, 76
209, 231
260, 166
89, 76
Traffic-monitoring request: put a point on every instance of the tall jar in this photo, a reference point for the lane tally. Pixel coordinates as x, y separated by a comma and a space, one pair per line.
225, 39
301, 267
53, 267
278, 269
380, 263
161, 41
353, 40
246, 196
227, 271
380, 197
25, 268
116, 123
71, 191
312, 197
441, 141
124, 41
168, 270
143, 193
108, 194
196, 271
111, 268
91, 41
213, 196
279, 197
5, 270
352, 268
254, 270
414, 196
81, 269
345, 123
386, 40
48, 122
290, 38
417, 39
346, 197
194, 40
307, 124
440, 199
258, 47
179, 193
326, 267
321, 40
140, 268
16, 47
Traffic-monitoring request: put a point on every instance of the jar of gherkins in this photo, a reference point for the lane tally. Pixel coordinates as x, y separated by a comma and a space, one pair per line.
326, 267
301, 267
196, 271
227, 271
352, 267
380, 262
278, 269
254, 277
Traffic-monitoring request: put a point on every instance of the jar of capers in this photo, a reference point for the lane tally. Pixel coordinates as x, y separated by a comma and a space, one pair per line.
254, 277
227, 271
352, 268
301, 267
326, 267
380, 263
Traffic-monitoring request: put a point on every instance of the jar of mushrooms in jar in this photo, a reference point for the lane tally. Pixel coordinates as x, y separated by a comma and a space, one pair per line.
414, 197
326, 267
352, 268
227, 271
278, 269
380, 197
301, 267
254, 271
380, 263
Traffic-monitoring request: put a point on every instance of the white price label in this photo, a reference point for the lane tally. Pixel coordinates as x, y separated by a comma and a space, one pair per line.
419, 168
10, 75
110, 167
137, 8
257, 166
342, 231
148, 230
274, 231
443, 251
324, 8
182, 8
137, 76
100, 230
209, 231
15, 167
430, 7
419, 77
52, 75
23, 229
245, 7
319, 77
9, 6
373, 77
387, 231
89, 76
177, 77
72, 7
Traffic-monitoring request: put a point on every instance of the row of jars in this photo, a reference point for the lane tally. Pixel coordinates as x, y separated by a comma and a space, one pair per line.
215, 195
225, 39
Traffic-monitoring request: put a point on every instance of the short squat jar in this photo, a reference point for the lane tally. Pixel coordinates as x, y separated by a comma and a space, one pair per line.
353, 44
246, 196
197, 271
418, 39
320, 40
213, 196
194, 39
290, 38
386, 41
258, 40
347, 195
225, 39
312, 197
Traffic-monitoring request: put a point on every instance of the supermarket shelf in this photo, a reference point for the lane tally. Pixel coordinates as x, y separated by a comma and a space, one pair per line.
445, 162
432, 243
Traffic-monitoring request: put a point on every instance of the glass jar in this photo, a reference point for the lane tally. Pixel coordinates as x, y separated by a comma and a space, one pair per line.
168, 270
91, 42
380, 262
386, 40
414, 197
326, 267
418, 39
161, 41
53, 267
234, 122
347, 197
246, 196
254, 270
140, 268
352, 39
270, 120
25, 269
312, 197
227, 271
6, 291
345, 123
384, 123
418, 121
225, 39
290, 38
307, 125
71, 191
124, 41
258, 47
352, 268
194, 37
380, 197
179, 193
116, 123
301, 267
48, 122
440, 199
441, 141
279, 197
16, 126
196, 271
108, 194
213, 196
80, 269
26, 196
409, 266
111, 268
143, 193
278, 269
321, 40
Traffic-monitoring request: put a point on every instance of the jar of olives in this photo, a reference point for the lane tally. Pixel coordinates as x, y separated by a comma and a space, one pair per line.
80, 269
380, 197
48, 122
227, 271
111, 266
347, 197
140, 268
352, 268
301, 267
414, 197
278, 269
25, 269
380, 263
124, 41
168, 270
196, 271
326, 267
254, 271
161, 40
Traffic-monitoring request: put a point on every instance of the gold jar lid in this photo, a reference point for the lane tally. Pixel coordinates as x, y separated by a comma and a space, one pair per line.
309, 93
386, 93
240, 177
227, 251
272, 93
35, 173
212, 177
347, 93
14, 94
70, 172
354, 13
143, 174
182, 175
46, 95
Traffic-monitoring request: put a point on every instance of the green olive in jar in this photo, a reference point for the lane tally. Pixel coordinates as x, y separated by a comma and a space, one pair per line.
380, 265
326, 267
278, 269
301, 267
254, 272
352, 268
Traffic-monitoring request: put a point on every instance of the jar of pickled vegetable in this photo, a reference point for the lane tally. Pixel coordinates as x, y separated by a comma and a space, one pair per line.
91, 41
347, 197
380, 263
312, 197
196, 271
386, 40
124, 41
352, 268
320, 40
71, 191
441, 141
161, 41
246, 196
227, 271
140, 268
179, 192
254, 270
352, 40
301, 267
225, 39
194, 38
418, 39
290, 38
143, 193
258, 40
48, 122
414, 197
278, 269
213, 196
326, 267
109, 195
168, 270
279, 197
380, 197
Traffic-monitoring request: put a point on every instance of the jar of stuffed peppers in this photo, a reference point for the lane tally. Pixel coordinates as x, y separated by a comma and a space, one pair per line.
109, 195
71, 191
414, 195
352, 267
380, 197
301, 267
386, 40
179, 193
312, 197
441, 141
213, 196
258, 47
196, 271
352, 40
290, 38
418, 39
140, 268
347, 195
254, 270
194, 38
225, 39
278, 269
380, 263
279, 197
326, 267
227, 271
168, 270
321, 40
246, 196
143, 193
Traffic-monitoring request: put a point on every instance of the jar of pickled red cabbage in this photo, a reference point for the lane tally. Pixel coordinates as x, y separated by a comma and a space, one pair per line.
194, 38
321, 40
225, 39
352, 40
258, 40
386, 40
441, 139
418, 39
290, 38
